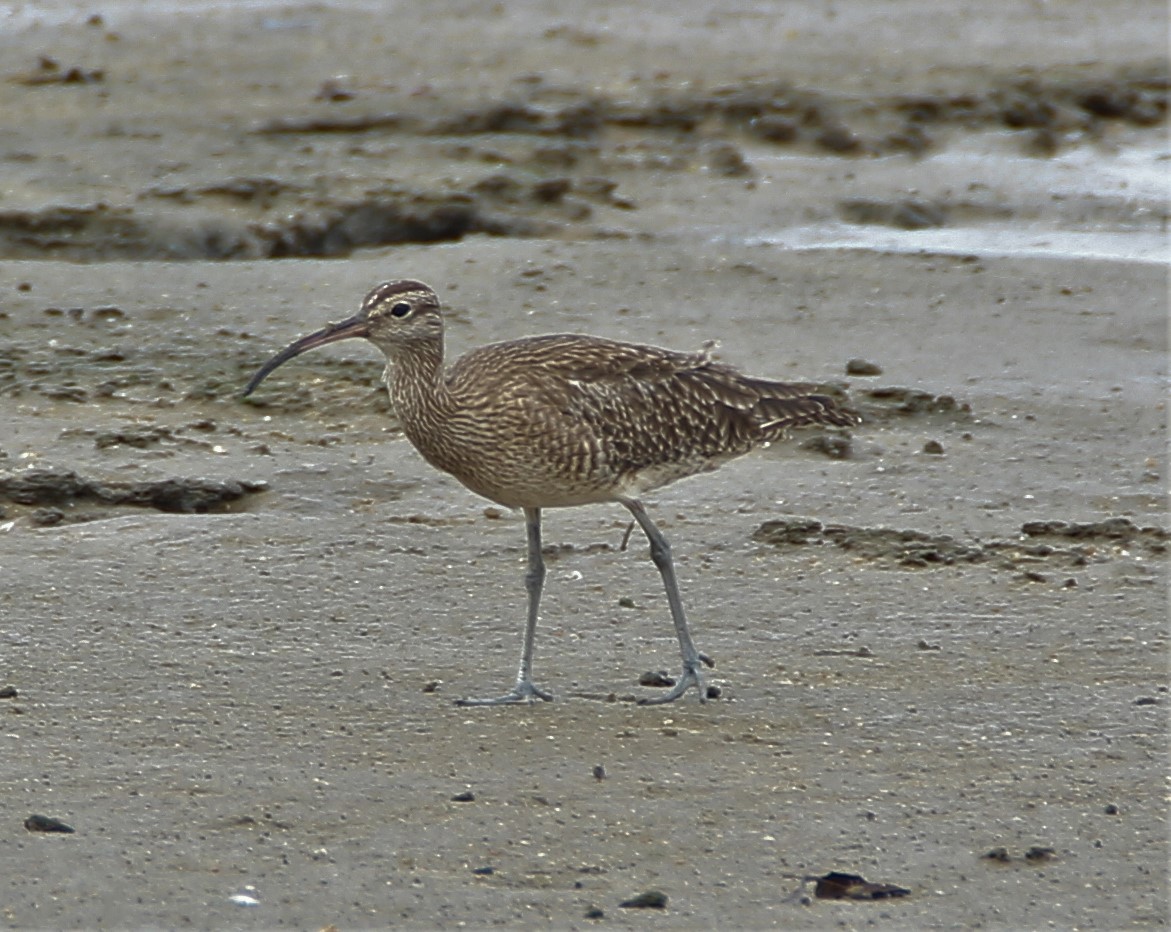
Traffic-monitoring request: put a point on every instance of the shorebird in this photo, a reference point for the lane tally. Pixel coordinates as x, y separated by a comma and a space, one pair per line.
565, 419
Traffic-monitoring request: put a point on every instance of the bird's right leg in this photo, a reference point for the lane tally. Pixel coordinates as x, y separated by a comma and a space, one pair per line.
525, 690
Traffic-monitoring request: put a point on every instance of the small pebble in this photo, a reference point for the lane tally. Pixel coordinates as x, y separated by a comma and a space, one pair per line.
467, 796
863, 367
725, 159
41, 823
934, 447
837, 885
334, 90
652, 899
835, 446
47, 517
243, 899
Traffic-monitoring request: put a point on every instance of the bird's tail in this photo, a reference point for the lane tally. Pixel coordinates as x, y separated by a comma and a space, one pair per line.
784, 405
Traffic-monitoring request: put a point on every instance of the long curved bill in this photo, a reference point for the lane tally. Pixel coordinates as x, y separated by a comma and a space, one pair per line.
356, 326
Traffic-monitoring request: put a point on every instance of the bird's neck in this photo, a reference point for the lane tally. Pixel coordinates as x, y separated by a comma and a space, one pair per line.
418, 390
426, 407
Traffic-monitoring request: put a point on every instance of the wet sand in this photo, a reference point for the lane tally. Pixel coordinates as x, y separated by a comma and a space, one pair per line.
234, 630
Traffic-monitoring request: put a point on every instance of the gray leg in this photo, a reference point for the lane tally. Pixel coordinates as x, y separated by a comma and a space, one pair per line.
661, 554
525, 691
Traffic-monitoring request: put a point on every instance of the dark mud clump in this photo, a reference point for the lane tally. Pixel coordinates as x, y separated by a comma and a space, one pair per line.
340, 229
332, 229
776, 112
892, 401
904, 548
58, 489
1110, 529
912, 549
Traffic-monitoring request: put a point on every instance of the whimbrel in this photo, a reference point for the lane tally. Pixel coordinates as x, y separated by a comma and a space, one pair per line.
558, 420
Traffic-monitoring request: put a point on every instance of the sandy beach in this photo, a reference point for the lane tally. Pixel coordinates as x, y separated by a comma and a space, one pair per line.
232, 631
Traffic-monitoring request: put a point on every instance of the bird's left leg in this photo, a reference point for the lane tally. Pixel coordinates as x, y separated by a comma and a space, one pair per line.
661, 554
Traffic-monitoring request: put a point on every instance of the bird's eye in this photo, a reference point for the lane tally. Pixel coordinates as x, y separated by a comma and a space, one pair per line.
402, 309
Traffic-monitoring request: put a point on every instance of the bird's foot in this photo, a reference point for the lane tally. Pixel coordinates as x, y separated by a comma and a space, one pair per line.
691, 677
524, 691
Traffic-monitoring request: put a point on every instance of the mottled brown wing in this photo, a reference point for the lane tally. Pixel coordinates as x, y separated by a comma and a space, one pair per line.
642, 405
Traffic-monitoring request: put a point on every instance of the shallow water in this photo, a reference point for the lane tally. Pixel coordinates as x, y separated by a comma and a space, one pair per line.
1085, 203
1006, 242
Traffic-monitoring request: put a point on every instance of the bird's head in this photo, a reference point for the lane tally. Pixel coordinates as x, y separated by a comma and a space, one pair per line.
394, 316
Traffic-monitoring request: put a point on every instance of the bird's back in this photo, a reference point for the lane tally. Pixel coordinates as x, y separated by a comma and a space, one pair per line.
566, 419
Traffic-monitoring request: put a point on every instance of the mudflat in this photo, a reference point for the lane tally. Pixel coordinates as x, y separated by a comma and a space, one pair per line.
231, 632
